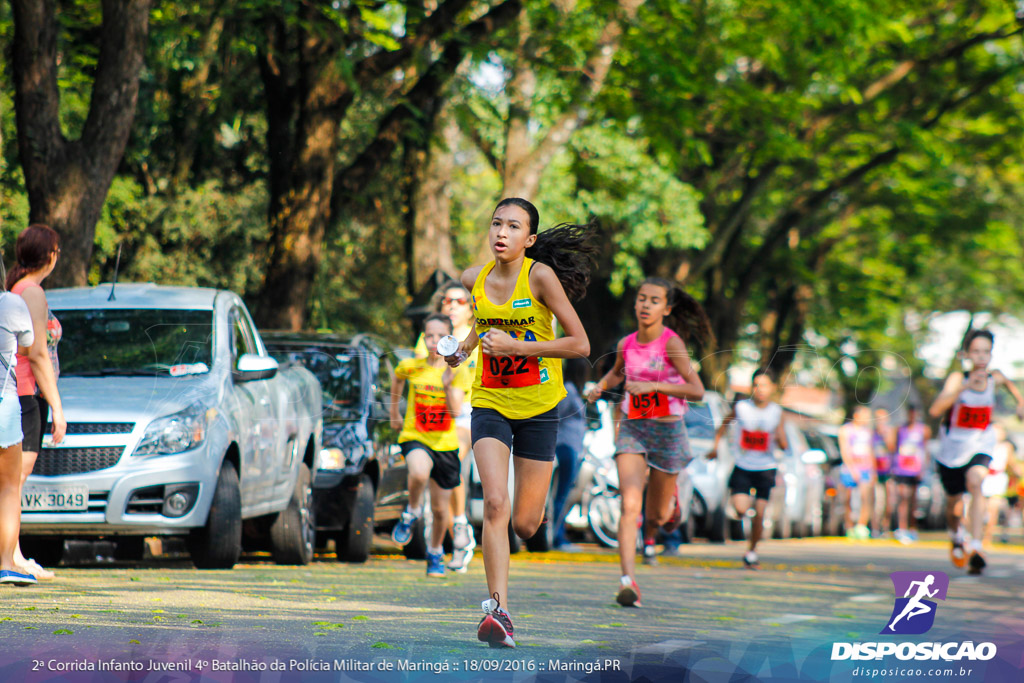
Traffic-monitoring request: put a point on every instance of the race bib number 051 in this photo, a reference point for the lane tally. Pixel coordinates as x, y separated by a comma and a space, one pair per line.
647, 406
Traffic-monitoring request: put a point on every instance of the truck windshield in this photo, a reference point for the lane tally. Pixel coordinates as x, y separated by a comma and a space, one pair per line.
143, 341
337, 370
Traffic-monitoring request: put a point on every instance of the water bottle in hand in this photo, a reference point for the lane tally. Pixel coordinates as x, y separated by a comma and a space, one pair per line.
449, 346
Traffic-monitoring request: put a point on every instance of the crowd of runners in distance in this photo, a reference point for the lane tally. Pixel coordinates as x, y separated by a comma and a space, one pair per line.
498, 392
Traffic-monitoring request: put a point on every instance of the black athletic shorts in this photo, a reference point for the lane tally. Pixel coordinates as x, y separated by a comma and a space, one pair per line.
35, 412
762, 481
907, 479
954, 479
533, 438
447, 467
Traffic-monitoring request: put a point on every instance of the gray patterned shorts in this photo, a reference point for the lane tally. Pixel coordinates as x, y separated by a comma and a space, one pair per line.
663, 443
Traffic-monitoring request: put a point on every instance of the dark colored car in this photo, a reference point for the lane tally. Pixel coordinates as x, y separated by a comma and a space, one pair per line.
359, 476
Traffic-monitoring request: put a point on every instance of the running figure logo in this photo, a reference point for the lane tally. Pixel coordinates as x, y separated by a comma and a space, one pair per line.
914, 613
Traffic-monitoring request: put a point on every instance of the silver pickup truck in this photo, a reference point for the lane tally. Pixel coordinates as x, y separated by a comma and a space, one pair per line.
179, 423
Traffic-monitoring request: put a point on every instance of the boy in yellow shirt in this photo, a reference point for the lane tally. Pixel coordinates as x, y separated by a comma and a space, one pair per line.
428, 438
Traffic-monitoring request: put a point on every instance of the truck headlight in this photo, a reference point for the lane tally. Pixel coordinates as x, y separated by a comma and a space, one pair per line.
176, 433
332, 459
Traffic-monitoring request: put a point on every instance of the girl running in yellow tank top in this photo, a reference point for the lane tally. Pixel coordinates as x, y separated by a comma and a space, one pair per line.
519, 378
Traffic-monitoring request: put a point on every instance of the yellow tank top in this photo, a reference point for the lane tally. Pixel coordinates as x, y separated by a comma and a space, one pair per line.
518, 387
420, 351
427, 419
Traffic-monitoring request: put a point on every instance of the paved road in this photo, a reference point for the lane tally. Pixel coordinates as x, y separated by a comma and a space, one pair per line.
702, 613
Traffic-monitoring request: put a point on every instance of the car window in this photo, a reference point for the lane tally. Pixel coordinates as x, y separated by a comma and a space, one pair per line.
241, 337
338, 370
135, 341
699, 422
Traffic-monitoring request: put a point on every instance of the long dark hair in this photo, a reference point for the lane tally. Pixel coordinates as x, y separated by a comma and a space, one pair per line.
687, 318
32, 251
569, 249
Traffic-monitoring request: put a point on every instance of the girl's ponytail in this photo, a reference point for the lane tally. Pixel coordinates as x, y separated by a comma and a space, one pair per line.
688, 318
569, 250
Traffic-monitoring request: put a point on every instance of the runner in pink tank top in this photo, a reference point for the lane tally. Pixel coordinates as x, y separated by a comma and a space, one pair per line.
651, 447
650, 363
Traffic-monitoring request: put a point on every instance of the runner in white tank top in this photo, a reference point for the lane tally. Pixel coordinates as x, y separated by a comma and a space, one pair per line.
758, 431
968, 441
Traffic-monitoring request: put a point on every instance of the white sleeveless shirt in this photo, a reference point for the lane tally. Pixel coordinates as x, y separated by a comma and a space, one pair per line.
970, 430
754, 435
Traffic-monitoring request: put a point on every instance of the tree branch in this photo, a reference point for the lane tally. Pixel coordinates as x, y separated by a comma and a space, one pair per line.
350, 180
115, 90
440, 20
470, 126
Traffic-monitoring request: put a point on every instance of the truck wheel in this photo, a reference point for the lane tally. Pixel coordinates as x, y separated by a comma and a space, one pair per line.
46, 550
353, 544
294, 529
218, 544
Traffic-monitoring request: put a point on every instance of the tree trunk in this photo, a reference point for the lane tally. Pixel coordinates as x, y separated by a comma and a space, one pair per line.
190, 94
724, 311
432, 224
67, 181
527, 156
307, 191
300, 203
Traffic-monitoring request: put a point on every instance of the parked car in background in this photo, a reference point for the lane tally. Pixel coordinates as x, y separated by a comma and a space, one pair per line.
795, 506
710, 478
359, 476
824, 438
179, 423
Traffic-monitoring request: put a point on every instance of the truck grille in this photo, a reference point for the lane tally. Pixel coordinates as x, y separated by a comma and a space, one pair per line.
98, 427
54, 462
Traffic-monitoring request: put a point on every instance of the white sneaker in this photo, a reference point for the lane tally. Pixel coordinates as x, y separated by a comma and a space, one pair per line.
30, 566
463, 536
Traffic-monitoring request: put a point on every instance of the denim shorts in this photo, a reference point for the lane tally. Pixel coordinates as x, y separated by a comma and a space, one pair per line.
10, 421
851, 480
662, 442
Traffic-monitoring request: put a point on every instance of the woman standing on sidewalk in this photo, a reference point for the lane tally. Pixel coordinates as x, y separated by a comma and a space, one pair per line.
36, 251
518, 385
655, 364
15, 335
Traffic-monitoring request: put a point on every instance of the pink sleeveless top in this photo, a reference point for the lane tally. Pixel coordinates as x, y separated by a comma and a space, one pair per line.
23, 370
650, 363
